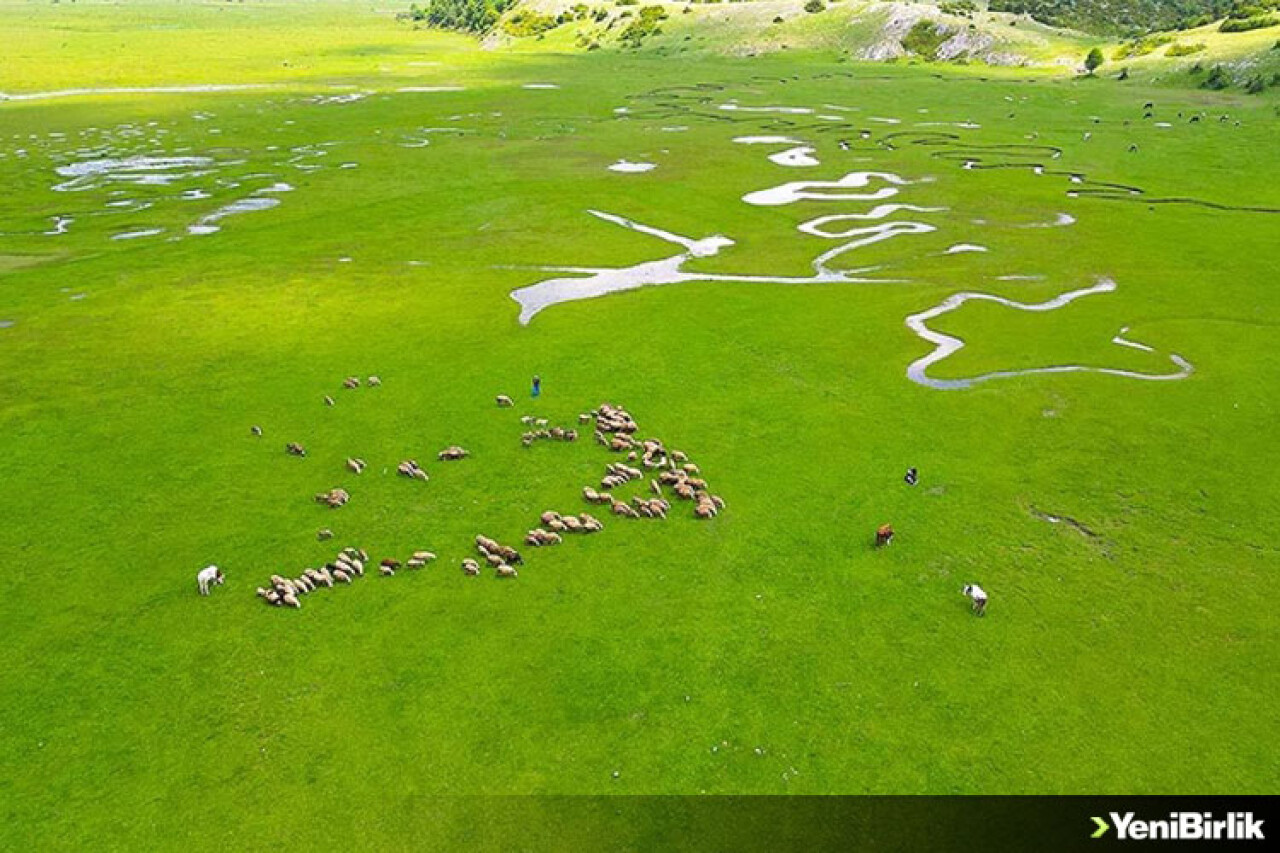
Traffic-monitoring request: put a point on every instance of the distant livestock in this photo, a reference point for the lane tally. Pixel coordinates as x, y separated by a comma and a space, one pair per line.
209, 576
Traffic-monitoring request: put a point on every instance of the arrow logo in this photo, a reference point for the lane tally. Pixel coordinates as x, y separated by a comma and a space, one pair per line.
1102, 828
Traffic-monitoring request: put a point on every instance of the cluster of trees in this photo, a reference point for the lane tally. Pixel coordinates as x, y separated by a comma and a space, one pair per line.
1134, 17
645, 23
467, 16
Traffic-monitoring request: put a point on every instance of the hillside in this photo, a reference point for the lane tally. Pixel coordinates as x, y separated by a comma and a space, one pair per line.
1031, 34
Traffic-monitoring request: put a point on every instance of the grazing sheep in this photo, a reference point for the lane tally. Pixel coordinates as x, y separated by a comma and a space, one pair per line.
470, 567
207, 577
333, 498
584, 418
557, 525
351, 382
356, 466
328, 401
504, 402
411, 469
505, 571
324, 533
493, 559
295, 449
527, 420
572, 524
256, 430
424, 556
590, 524
511, 555
677, 456
690, 468
291, 600
541, 423
387, 571
374, 381
339, 574
884, 535
484, 543
452, 453
549, 516
389, 563
270, 596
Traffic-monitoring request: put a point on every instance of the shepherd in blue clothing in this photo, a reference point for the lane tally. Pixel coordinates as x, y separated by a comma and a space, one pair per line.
537, 386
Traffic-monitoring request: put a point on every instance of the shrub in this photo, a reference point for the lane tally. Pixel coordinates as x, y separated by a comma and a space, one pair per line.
814, 6
1243, 25
1185, 49
1218, 78
923, 39
1093, 60
526, 23
645, 24
1256, 85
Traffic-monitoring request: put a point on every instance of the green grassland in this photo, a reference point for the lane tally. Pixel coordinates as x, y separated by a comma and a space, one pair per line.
770, 650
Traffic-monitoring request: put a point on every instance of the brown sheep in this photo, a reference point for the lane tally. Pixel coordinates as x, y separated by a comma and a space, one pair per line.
389, 563
549, 516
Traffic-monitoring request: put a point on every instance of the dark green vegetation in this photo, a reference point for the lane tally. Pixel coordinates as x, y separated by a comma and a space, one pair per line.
467, 16
1129, 16
770, 650
924, 38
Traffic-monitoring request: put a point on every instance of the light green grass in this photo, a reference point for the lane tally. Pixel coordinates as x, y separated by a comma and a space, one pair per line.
138, 714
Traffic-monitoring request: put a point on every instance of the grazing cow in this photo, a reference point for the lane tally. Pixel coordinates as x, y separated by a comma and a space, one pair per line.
504, 402
208, 576
884, 535
912, 476
978, 596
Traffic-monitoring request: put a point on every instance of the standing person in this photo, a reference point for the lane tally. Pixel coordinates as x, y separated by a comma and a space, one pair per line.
979, 597
537, 385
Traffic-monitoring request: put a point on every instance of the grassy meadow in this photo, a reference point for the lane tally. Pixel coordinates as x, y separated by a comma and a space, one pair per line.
770, 650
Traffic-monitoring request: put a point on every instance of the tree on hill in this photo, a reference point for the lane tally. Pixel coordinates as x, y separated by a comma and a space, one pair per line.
1093, 60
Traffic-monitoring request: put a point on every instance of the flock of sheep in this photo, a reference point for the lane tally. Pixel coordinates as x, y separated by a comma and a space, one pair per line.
645, 459
344, 568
